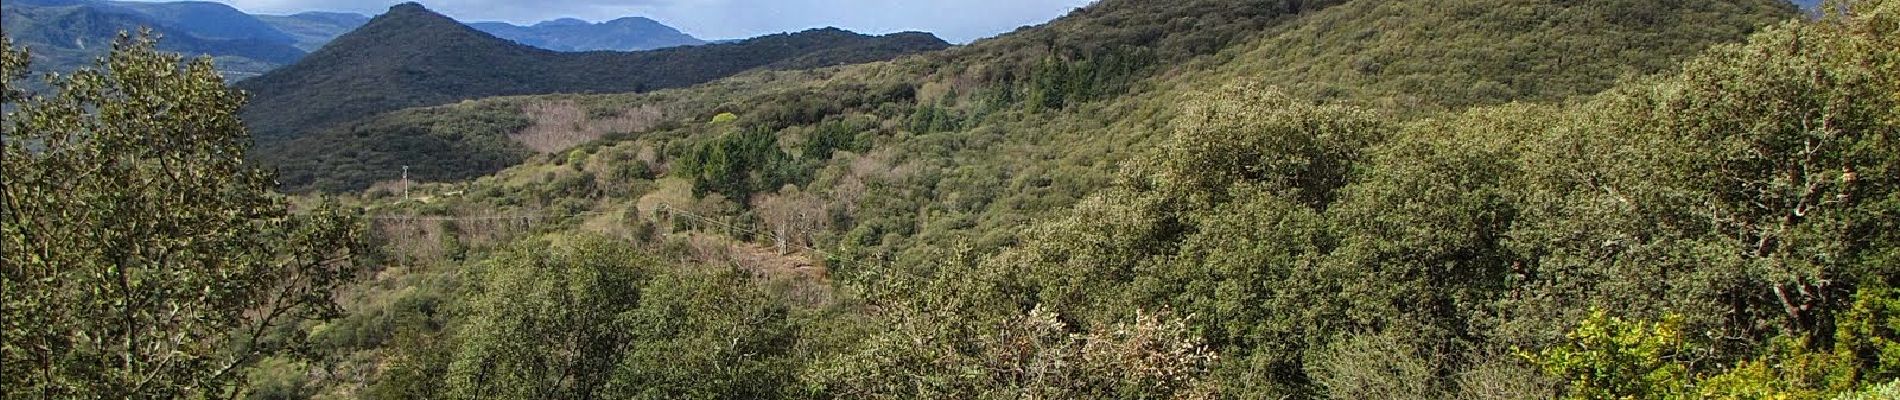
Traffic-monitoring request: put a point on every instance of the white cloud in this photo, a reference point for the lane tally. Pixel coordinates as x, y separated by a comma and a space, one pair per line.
957, 21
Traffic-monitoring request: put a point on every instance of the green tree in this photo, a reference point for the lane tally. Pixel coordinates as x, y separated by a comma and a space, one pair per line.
545, 320
1608, 357
143, 257
1034, 355
706, 334
1752, 194
1374, 366
572, 317
1260, 135
739, 163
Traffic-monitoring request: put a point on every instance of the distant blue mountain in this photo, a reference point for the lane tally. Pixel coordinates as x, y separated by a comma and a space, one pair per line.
568, 34
314, 29
208, 20
48, 3
67, 34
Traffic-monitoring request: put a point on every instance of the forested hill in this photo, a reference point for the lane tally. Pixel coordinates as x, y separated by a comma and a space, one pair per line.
1431, 199
1102, 71
1189, 199
412, 56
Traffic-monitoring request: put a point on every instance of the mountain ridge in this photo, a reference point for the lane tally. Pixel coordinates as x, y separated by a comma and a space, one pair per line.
412, 56
209, 20
571, 35
246, 45
69, 34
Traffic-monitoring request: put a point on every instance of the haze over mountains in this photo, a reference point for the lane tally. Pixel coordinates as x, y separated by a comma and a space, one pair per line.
314, 29
568, 34
69, 33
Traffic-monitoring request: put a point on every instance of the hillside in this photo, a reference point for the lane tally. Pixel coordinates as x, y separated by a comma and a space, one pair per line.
624, 34
1364, 199
1193, 199
1049, 86
413, 57
1000, 69
1006, 132
1403, 56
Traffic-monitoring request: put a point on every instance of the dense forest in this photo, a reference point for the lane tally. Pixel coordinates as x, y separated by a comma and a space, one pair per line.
1200, 199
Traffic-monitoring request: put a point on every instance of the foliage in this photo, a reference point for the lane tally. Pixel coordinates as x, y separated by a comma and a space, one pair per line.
1002, 220
1260, 138
1863, 352
1054, 83
359, 155
1610, 358
1292, 226
738, 164
1433, 54
1883, 391
1100, 50
1371, 365
831, 137
143, 257
585, 316
707, 334
1034, 355
547, 322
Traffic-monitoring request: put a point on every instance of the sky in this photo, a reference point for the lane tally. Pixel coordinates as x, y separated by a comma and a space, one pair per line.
958, 21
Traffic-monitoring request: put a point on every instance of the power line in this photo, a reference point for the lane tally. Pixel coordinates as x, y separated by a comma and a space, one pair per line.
669, 210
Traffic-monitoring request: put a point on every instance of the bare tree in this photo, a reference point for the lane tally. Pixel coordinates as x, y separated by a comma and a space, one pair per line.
560, 125
792, 216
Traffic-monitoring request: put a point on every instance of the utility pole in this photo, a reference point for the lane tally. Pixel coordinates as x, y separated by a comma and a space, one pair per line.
405, 183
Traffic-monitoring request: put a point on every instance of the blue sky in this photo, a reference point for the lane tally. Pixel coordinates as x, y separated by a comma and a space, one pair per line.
954, 20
